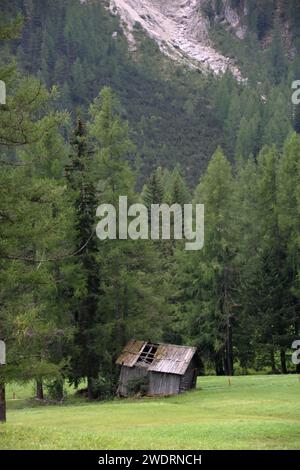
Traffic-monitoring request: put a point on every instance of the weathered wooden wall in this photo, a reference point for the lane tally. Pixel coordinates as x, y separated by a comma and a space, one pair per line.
163, 384
189, 379
160, 383
127, 374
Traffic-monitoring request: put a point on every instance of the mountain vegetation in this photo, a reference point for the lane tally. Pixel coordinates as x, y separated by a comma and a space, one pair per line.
85, 122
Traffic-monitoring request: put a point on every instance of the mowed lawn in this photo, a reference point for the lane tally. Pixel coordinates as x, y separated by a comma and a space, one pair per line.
256, 412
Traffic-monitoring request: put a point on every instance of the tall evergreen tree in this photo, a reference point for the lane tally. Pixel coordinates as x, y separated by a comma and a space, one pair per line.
132, 281
31, 224
270, 282
277, 56
276, 123
248, 137
85, 360
177, 189
212, 275
154, 191
233, 120
289, 209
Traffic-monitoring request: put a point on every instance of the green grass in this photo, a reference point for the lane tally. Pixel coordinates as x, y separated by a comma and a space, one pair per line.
256, 412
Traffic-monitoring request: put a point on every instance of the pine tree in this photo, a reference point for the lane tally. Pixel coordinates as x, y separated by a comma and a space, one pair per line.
154, 192
289, 209
130, 271
25, 277
177, 190
248, 137
277, 56
268, 281
212, 270
222, 95
277, 123
233, 121
247, 242
85, 360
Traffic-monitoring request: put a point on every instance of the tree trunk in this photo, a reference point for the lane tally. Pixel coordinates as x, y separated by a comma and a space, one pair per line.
297, 328
273, 364
39, 390
2, 404
225, 364
59, 390
283, 362
229, 350
90, 388
219, 364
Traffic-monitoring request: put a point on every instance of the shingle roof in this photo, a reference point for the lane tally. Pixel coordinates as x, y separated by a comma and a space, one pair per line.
172, 359
130, 353
169, 358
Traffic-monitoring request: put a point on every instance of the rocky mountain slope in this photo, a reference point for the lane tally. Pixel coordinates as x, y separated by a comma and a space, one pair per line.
180, 28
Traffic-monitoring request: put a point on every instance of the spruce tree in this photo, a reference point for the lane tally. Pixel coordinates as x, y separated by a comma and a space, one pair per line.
277, 56
268, 280
31, 223
154, 192
211, 271
233, 120
85, 360
289, 210
248, 137
132, 281
177, 189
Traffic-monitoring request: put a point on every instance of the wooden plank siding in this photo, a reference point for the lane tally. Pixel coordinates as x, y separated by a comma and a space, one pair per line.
163, 384
127, 374
189, 379
171, 369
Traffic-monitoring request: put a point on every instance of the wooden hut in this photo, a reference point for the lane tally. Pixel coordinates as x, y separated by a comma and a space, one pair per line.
169, 369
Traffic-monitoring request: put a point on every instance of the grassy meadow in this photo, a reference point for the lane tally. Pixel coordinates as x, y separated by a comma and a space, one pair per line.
255, 412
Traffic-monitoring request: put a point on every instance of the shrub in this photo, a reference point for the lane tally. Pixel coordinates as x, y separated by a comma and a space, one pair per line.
55, 390
138, 386
102, 389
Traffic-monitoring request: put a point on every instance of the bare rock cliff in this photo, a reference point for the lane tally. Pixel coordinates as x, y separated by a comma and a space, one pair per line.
180, 28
